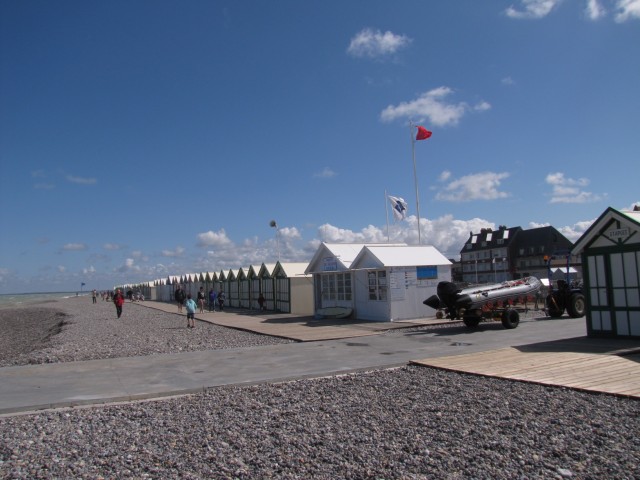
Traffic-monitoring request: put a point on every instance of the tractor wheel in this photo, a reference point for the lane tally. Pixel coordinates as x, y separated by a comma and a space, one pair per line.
471, 322
553, 308
439, 314
577, 306
510, 318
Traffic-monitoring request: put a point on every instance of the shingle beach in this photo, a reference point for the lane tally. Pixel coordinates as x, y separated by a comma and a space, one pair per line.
409, 423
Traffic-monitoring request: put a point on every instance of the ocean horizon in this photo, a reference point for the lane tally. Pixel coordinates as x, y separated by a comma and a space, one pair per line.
14, 299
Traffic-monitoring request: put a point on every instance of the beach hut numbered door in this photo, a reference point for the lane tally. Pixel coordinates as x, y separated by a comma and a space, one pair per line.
614, 297
283, 294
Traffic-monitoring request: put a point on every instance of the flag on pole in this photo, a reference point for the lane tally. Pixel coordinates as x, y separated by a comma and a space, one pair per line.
82, 284
399, 207
423, 133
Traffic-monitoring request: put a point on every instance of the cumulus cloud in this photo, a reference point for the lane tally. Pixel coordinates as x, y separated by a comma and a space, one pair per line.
569, 190
325, 173
477, 186
111, 246
594, 10
432, 106
375, 44
627, 10
213, 239
81, 180
74, 247
507, 81
532, 9
173, 253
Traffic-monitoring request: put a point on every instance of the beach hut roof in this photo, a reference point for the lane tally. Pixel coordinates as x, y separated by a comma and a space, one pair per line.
400, 256
290, 269
266, 269
343, 253
610, 219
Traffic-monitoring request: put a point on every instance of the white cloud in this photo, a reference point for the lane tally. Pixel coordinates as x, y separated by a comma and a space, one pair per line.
569, 190
477, 186
213, 239
627, 10
374, 44
173, 253
74, 247
431, 105
532, 9
111, 246
444, 176
88, 271
507, 81
325, 173
81, 180
594, 10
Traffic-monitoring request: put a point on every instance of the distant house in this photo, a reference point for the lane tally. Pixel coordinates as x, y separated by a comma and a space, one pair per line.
511, 253
380, 282
610, 252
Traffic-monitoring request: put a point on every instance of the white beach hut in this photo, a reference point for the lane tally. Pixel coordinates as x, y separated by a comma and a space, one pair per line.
332, 277
391, 282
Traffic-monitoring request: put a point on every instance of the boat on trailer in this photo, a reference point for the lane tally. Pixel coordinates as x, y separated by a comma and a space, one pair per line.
477, 303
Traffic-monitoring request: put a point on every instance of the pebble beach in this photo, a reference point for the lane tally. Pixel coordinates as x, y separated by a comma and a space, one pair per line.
401, 423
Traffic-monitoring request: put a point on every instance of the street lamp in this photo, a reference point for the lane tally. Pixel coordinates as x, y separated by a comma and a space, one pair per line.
273, 224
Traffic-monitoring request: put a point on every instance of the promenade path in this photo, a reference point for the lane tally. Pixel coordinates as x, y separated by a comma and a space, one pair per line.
328, 348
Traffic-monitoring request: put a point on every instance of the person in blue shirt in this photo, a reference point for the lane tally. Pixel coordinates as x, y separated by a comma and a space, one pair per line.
191, 312
212, 300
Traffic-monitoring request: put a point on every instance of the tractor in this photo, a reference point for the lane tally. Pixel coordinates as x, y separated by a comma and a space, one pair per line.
566, 296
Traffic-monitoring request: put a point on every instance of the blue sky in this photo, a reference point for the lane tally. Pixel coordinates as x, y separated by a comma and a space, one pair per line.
142, 139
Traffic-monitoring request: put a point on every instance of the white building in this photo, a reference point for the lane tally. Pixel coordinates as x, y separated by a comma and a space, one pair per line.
381, 282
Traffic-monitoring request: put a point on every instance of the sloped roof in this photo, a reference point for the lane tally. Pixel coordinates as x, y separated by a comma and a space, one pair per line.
402, 256
344, 253
627, 217
292, 269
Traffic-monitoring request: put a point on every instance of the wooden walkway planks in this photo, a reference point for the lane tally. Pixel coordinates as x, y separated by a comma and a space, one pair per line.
613, 374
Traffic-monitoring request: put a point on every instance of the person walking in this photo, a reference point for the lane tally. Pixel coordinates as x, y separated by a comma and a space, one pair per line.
201, 299
118, 300
179, 296
94, 295
212, 300
191, 312
261, 301
221, 298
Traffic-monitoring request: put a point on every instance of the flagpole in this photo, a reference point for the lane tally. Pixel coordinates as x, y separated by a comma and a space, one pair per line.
386, 207
415, 177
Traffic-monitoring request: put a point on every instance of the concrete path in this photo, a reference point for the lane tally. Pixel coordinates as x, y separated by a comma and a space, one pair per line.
34, 387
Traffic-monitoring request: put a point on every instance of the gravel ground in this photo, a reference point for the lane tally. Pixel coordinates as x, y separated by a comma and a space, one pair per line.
75, 329
408, 423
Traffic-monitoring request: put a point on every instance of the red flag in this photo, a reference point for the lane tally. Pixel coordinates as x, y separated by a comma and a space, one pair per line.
423, 133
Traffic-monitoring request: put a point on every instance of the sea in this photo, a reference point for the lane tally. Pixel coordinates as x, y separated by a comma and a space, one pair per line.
15, 299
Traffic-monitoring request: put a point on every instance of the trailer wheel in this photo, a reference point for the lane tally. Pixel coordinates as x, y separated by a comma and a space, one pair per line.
471, 322
553, 309
510, 318
577, 306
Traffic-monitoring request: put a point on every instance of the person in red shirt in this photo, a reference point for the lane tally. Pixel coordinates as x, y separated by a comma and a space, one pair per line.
118, 299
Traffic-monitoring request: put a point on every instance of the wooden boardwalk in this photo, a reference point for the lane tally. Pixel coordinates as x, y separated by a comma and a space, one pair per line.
609, 373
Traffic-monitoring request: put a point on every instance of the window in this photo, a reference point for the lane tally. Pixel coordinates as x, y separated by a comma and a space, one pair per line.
378, 285
336, 286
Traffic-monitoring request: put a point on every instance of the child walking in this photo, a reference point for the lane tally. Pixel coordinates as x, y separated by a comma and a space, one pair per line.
191, 312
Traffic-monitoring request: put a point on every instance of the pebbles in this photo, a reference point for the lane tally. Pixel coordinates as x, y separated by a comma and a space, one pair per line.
87, 331
409, 423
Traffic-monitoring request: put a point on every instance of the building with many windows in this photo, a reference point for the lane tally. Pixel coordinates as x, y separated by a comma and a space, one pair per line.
512, 253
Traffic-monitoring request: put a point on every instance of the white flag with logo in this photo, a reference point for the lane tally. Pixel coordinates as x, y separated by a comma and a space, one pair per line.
399, 207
